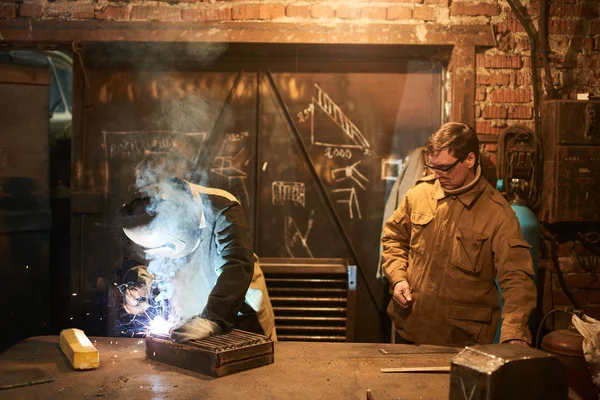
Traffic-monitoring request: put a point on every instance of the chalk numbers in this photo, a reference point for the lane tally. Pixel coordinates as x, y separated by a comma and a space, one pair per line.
336, 152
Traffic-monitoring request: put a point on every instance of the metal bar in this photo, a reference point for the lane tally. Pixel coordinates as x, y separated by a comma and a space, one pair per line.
321, 192
312, 328
304, 299
416, 369
300, 318
411, 350
17, 33
307, 290
305, 337
322, 309
305, 280
257, 168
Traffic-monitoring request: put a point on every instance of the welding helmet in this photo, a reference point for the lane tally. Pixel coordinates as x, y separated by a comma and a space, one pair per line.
165, 219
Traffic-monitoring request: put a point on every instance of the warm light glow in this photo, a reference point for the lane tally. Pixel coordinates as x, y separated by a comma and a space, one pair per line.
160, 325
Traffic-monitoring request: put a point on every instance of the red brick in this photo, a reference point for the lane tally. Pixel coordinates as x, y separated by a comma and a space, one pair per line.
520, 112
30, 10
8, 11
489, 128
155, 13
491, 147
244, 11
499, 61
510, 25
347, 11
300, 11
586, 280
474, 9
592, 310
480, 94
424, 13
494, 78
82, 11
399, 12
565, 249
206, 14
113, 13
374, 12
522, 78
504, 95
595, 27
406, 1
443, 3
321, 11
562, 10
563, 27
559, 298
596, 42
593, 296
268, 11
494, 112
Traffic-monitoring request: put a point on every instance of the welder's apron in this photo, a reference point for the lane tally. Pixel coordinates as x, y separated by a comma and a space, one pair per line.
257, 297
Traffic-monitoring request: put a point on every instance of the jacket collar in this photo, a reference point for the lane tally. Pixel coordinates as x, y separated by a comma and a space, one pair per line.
468, 197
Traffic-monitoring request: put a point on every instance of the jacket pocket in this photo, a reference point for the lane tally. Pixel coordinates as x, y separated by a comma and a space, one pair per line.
418, 223
467, 323
466, 250
518, 242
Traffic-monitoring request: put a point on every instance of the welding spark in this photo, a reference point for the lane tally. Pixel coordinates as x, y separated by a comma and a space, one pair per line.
160, 325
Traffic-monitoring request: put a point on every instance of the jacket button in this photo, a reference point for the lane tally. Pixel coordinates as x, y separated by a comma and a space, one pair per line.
475, 245
492, 192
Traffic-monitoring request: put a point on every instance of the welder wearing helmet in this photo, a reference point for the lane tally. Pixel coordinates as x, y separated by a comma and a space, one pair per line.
201, 235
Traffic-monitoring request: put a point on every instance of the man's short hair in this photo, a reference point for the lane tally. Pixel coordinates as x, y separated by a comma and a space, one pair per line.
458, 138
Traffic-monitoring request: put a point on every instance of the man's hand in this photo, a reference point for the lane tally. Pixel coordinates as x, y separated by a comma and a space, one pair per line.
402, 294
195, 328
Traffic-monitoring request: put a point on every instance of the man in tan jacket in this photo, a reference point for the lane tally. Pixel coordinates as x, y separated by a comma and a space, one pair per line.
451, 236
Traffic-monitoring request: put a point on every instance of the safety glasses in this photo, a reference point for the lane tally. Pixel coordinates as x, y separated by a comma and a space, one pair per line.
444, 168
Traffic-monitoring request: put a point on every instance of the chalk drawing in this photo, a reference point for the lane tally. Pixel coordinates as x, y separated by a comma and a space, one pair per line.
323, 102
464, 390
351, 201
391, 169
283, 192
296, 243
350, 172
229, 161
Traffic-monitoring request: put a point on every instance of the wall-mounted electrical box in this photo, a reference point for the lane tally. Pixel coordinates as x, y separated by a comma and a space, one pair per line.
571, 141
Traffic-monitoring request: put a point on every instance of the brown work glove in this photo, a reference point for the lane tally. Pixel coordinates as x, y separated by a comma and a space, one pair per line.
195, 328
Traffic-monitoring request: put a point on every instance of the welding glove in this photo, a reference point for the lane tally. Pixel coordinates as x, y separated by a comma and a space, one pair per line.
195, 328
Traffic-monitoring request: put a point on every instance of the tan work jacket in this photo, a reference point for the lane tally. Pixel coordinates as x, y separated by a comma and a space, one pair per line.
450, 249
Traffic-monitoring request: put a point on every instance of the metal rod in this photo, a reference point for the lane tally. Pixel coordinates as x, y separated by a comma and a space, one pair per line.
257, 168
416, 369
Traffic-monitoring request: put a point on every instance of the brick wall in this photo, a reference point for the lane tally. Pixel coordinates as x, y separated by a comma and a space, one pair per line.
504, 93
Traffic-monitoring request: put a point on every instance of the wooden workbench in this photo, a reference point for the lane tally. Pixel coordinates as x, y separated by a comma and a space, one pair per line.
301, 371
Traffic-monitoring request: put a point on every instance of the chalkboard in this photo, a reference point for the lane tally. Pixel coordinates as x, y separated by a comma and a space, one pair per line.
310, 156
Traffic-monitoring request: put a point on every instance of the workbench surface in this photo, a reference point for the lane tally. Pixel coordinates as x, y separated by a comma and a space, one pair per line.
302, 370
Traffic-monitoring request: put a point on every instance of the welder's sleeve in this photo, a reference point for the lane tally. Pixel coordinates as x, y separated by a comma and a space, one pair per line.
396, 244
515, 277
234, 263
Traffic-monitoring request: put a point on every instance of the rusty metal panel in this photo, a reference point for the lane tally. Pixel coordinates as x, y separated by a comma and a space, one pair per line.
571, 140
313, 299
24, 204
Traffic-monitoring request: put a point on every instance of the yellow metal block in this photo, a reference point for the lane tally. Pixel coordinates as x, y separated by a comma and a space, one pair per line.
79, 350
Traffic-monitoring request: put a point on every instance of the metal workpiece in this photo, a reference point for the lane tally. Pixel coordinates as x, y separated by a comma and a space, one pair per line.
507, 371
215, 355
